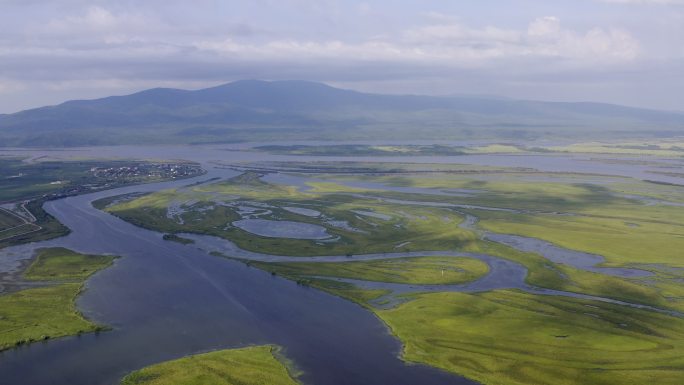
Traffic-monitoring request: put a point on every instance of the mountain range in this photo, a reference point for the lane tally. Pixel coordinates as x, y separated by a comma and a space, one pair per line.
254, 110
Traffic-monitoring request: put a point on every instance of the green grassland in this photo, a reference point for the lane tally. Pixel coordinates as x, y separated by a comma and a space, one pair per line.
633, 235
419, 270
63, 264
650, 240
258, 365
49, 312
507, 337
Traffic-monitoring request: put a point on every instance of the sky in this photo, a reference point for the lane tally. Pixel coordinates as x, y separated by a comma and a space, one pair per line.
627, 52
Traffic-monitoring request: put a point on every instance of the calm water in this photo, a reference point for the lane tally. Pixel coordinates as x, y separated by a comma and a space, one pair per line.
283, 229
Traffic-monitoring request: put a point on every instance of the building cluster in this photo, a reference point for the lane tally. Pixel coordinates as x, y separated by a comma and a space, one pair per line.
110, 177
147, 170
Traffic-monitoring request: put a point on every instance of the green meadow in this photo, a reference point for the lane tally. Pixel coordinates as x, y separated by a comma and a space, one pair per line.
418, 270
47, 312
258, 365
509, 337
59, 264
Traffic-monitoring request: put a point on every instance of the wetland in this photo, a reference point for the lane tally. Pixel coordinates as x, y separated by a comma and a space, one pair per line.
353, 275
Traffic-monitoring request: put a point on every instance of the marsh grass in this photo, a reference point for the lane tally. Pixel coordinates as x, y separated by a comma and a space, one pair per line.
418, 270
258, 365
44, 313
513, 338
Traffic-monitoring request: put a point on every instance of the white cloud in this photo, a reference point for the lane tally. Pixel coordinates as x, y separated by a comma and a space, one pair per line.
449, 43
663, 2
97, 20
544, 37
98, 33
8, 86
365, 9
544, 26
117, 44
102, 42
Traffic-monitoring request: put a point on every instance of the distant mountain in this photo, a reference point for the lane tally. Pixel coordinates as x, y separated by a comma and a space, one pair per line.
298, 110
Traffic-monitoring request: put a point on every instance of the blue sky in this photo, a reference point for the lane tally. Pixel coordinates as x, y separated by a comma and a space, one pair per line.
618, 51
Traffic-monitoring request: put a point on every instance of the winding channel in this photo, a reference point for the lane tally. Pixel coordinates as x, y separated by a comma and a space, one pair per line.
165, 300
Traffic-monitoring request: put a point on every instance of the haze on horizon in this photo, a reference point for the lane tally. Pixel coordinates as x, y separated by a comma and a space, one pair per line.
617, 51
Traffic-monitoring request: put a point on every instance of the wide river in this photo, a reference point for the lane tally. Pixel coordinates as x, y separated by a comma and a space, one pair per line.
165, 300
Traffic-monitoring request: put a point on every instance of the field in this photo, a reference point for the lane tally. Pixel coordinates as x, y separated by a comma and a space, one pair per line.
13, 225
501, 337
49, 312
45, 227
8, 220
258, 365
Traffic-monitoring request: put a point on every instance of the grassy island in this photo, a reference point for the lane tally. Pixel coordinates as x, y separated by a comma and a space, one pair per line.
47, 312
258, 365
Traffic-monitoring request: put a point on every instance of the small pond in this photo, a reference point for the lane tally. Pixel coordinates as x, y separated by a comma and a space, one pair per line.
303, 211
282, 229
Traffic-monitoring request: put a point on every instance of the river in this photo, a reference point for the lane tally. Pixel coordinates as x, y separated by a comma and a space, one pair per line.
165, 301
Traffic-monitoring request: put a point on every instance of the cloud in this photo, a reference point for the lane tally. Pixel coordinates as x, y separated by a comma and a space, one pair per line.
544, 37
544, 26
105, 44
106, 48
447, 43
661, 2
99, 34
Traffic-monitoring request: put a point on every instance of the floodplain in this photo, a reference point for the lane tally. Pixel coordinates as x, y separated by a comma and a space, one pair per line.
623, 308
